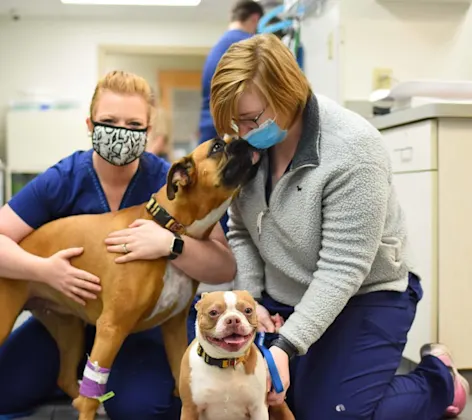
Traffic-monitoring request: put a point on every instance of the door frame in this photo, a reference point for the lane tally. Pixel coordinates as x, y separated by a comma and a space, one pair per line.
105, 49
185, 79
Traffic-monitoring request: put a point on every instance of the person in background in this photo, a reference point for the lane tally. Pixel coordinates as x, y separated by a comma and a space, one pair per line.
320, 238
245, 16
97, 181
158, 143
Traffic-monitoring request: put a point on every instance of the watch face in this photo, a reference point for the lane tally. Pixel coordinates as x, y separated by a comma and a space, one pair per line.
178, 246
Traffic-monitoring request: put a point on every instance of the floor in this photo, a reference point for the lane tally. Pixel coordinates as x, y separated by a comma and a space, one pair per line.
59, 411
63, 411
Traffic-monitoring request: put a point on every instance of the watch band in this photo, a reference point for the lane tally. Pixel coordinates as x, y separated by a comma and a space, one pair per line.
282, 343
173, 255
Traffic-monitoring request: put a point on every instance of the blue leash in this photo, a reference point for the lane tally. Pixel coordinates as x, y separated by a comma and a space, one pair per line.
274, 373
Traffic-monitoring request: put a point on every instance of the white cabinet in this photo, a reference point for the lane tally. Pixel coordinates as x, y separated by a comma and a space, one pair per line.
414, 162
432, 173
37, 140
413, 147
425, 2
417, 192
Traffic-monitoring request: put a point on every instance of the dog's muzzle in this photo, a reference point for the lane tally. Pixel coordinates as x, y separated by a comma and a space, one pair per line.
240, 166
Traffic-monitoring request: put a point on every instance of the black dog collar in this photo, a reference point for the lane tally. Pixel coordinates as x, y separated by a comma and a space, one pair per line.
221, 363
163, 218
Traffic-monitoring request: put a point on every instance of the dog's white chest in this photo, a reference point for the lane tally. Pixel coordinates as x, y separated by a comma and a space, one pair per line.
199, 227
178, 287
228, 393
178, 290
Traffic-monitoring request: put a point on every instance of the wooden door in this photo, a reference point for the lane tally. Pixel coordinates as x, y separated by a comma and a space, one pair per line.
180, 97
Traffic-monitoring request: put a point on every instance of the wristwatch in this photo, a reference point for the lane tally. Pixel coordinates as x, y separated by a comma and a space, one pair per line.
282, 343
176, 247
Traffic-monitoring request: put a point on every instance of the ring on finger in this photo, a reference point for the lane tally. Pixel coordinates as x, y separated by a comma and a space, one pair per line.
125, 248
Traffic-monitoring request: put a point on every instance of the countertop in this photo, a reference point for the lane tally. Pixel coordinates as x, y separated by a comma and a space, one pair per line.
423, 112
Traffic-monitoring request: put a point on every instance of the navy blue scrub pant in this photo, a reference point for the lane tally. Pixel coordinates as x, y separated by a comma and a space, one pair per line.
140, 377
349, 373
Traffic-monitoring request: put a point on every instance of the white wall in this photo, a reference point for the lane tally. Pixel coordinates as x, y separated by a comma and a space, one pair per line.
62, 56
415, 40
147, 65
321, 39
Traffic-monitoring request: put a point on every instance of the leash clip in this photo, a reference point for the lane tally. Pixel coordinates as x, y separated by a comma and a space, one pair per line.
260, 339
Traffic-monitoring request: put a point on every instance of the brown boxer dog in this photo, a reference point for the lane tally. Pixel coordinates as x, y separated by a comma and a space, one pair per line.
137, 295
223, 374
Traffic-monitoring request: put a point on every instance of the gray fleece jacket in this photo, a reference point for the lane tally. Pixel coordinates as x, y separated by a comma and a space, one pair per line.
333, 227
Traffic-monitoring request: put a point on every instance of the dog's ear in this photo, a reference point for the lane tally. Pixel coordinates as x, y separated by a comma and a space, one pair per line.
180, 176
199, 303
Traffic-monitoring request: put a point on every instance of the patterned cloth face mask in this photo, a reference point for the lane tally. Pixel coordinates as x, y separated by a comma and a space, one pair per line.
117, 145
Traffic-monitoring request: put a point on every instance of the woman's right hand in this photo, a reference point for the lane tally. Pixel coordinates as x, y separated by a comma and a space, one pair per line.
72, 282
266, 322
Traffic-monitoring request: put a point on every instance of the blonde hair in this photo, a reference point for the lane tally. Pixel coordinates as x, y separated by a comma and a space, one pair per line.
124, 83
266, 62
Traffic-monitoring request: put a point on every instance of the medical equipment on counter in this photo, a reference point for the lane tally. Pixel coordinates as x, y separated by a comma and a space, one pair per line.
414, 93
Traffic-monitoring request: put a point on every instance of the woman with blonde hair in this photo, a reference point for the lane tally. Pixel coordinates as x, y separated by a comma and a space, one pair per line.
320, 238
116, 173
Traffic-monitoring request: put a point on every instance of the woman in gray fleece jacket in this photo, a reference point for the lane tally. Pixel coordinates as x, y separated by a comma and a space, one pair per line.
319, 238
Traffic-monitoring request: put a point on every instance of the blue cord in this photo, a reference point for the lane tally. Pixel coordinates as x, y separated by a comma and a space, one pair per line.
274, 373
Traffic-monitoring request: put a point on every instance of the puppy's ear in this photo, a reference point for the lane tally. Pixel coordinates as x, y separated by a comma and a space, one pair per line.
180, 175
199, 303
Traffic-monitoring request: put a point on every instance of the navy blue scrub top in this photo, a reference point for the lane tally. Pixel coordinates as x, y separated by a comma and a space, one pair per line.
72, 187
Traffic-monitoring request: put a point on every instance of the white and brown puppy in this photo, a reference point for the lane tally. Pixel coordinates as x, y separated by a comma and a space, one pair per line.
223, 374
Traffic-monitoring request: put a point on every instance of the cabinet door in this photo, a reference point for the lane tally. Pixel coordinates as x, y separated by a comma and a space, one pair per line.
38, 139
417, 193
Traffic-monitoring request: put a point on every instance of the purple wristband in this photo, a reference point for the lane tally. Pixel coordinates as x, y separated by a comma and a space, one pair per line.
94, 381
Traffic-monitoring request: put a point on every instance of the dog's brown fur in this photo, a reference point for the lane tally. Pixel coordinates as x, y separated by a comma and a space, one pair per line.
129, 291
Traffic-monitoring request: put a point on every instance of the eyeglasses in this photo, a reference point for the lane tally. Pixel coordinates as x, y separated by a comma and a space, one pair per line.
249, 123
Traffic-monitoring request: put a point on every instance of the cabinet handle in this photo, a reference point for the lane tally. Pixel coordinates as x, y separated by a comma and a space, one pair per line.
406, 153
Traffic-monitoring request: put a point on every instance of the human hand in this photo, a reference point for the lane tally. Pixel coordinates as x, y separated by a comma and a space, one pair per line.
283, 366
142, 240
265, 323
278, 321
72, 282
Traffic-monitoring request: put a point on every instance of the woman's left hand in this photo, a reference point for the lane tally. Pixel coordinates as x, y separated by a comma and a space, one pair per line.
143, 240
282, 362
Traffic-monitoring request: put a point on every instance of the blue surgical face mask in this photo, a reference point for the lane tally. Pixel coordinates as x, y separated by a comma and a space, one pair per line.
268, 134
